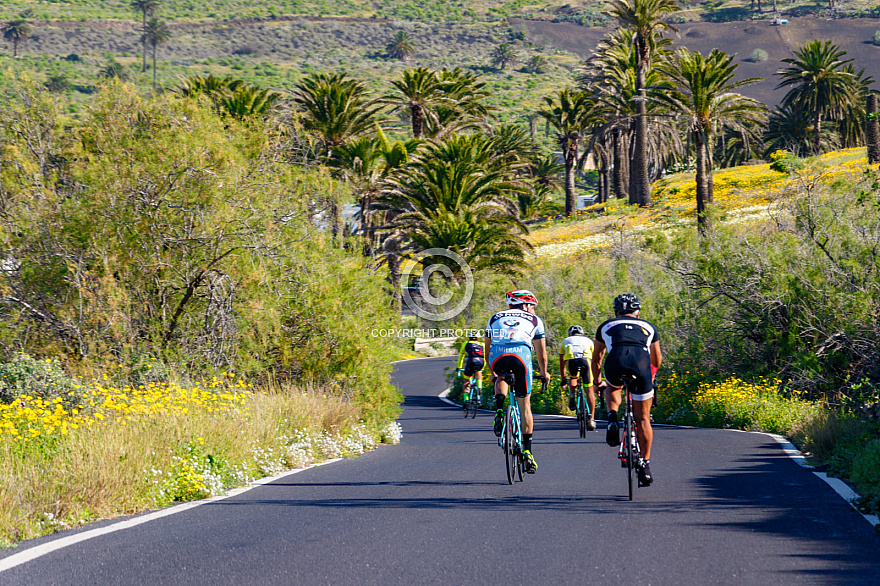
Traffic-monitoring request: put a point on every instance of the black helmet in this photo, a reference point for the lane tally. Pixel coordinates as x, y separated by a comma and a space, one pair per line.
626, 303
575, 331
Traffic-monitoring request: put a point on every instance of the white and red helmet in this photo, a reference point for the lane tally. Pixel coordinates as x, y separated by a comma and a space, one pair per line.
521, 297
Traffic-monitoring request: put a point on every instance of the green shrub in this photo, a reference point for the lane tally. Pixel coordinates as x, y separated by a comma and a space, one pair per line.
759, 55
25, 375
876, 38
785, 162
866, 476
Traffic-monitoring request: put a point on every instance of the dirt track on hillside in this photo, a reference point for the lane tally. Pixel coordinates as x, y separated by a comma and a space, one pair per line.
853, 35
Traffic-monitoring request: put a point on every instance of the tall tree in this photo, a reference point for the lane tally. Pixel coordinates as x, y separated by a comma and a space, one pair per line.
643, 20
704, 94
335, 108
400, 46
145, 8
819, 83
156, 33
503, 56
872, 132
419, 90
569, 114
17, 31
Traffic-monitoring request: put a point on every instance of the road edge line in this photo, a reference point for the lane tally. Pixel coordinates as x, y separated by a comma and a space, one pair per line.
38, 551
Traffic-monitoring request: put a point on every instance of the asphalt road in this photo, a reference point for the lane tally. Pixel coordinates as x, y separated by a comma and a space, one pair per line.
726, 508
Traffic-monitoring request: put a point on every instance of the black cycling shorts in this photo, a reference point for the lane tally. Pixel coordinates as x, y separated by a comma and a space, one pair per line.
634, 360
473, 365
579, 365
512, 363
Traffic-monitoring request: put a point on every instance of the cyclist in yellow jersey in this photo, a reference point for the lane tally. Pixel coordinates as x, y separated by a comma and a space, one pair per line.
575, 355
471, 362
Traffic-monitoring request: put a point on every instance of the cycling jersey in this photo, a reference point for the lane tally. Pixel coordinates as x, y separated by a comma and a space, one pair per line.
627, 331
628, 341
512, 332
514, 327
576, 347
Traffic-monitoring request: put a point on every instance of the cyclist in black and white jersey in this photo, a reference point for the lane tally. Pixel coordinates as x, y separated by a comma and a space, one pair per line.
510, 336
633, 347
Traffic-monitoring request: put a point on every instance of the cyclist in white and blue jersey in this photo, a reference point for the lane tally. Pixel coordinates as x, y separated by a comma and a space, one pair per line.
510, 336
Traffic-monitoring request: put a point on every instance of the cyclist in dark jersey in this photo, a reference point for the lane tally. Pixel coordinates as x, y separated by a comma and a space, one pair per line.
471, 362
633, 347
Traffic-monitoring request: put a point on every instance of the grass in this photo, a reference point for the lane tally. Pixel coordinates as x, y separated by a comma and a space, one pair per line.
117, 451
742, 194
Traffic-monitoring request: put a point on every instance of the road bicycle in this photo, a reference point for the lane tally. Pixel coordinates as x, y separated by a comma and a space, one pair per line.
474, 399
511, 440
582, 410
629, 454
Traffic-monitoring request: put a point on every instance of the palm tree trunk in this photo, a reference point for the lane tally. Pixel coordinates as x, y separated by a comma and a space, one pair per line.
570, 151
618, 173
704, 183
14, 47
817, 123
603, 177
642, 182
872, 133
417, 120
365, 224
391, 247
143, 31
154, 68
533, 128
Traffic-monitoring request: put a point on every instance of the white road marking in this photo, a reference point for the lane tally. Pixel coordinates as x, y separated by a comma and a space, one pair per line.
33, 553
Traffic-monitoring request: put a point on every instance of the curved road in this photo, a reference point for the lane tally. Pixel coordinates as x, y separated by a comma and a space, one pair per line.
727, 508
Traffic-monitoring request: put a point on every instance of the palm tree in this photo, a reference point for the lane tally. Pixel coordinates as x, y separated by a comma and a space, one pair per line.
462, 108
209, 85
569, 113
400, 46
791, 129
456, 194
113, 68
420, 90
145, 8
643, 19
536, 64
248, 102
156, 33
872, 132
704, 94
504, 55
365, 163
17, 31
820, 83
334, 108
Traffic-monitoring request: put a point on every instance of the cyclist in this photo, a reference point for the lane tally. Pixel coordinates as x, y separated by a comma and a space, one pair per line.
471, 362
633, 347
510, 336
575, 353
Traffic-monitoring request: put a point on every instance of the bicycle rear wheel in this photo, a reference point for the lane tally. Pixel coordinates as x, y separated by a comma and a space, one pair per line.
475, 401
628, 451
509, 454
582, 411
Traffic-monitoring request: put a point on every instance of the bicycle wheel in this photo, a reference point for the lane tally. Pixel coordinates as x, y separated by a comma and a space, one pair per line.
509, 447
475, 401
582, 412
629, 452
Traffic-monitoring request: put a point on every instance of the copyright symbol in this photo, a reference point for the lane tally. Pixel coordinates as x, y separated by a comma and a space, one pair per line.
431, 307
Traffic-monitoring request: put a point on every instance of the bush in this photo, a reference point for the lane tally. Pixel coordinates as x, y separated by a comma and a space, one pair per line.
759, 55
25, 375
865, 468
785, 162
876, 38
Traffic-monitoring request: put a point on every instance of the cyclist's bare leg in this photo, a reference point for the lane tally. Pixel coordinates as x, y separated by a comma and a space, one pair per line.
525, 407
642, 415
500, 386
613, 398
591, 401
